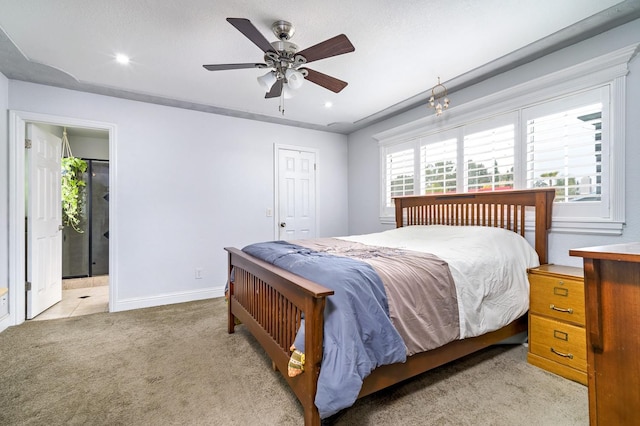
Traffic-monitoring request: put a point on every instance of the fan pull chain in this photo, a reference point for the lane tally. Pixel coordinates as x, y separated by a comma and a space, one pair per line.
281, 107
66, 148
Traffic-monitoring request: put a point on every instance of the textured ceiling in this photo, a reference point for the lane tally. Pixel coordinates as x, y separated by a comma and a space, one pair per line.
401, 48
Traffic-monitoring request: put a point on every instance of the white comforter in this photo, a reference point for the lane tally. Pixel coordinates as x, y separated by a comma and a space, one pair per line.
488, 265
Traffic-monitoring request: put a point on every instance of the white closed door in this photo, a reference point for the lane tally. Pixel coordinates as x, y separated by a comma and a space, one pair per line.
296, 194
44, 221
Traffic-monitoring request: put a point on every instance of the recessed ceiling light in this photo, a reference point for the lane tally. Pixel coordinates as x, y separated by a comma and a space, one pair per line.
122, 59
328, 104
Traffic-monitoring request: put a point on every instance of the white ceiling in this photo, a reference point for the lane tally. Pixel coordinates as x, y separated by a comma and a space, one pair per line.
401, 48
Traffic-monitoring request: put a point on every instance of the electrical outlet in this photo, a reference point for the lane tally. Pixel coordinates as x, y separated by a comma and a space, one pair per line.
269, 213
198, 273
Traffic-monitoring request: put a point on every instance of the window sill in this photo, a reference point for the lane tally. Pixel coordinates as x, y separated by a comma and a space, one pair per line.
586, 227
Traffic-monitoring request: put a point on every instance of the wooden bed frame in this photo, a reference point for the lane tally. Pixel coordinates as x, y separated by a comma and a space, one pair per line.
270, 301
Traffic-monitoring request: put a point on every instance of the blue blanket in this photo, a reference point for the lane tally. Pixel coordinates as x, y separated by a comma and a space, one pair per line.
358, 334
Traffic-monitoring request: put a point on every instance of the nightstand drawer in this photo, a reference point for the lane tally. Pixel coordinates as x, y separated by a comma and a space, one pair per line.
559, 298
563, 343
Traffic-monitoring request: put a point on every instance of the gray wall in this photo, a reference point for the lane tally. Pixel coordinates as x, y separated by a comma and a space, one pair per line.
364, 153
188, 184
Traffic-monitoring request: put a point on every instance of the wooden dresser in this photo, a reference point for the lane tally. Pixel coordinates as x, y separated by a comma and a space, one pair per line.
557, 335
612, 280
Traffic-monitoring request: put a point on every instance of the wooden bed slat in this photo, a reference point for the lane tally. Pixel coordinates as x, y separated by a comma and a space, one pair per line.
270, 302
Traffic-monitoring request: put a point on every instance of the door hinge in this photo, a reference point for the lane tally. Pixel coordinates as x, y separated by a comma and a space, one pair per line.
314, 167
27, 143
27, 286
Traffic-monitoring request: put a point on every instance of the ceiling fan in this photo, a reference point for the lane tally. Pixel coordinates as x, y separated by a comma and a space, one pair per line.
284, 59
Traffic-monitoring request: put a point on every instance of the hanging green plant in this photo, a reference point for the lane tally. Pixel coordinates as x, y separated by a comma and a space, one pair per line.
73, 191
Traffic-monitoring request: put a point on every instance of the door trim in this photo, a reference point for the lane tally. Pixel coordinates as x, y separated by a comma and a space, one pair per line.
276, 175
17, 122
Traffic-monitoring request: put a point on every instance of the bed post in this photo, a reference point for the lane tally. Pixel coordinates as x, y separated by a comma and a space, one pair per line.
399, 215
544, 203
314, 333
231, 319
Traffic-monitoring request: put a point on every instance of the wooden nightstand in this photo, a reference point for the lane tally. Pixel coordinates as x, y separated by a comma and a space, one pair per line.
557, 335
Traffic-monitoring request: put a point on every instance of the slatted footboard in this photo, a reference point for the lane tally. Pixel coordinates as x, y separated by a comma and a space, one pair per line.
271, 303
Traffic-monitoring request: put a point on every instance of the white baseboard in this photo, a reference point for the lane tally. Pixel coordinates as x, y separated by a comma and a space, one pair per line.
165, 299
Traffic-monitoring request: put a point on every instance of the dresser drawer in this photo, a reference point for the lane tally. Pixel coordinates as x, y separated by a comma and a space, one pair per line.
559, 298
563, 343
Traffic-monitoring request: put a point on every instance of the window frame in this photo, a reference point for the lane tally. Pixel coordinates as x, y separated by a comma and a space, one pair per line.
604, 72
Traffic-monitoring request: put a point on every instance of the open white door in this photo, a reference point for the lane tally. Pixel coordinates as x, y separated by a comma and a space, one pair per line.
296, 194
44, 221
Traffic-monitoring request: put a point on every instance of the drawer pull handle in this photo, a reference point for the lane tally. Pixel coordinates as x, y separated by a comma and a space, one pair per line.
570, 356
555, 308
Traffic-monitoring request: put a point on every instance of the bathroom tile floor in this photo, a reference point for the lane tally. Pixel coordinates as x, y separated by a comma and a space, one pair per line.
78, 301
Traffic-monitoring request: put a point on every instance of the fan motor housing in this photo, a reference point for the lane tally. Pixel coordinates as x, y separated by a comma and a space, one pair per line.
283, 30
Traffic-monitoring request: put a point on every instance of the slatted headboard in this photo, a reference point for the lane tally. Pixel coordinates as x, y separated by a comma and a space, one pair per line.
501, 209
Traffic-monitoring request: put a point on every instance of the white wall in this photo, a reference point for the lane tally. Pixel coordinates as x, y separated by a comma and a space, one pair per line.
93, 148
188, 184
4, 189
364, 153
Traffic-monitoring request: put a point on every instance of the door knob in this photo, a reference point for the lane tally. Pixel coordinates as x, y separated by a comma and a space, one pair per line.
283, 224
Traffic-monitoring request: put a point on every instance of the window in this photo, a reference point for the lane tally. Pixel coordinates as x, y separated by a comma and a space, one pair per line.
489, 159
564, 130
566, 140
399, 173
470, 158
438, 167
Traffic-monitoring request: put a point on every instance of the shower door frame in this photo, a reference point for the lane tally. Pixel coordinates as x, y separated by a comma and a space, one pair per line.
89, 209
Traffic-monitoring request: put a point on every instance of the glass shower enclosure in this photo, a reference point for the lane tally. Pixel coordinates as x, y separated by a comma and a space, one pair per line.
86, 254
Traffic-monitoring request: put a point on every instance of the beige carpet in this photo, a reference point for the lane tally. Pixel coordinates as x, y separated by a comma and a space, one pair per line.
176, 365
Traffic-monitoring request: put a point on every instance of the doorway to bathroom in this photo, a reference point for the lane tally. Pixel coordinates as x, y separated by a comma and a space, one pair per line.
20, 286
85, 244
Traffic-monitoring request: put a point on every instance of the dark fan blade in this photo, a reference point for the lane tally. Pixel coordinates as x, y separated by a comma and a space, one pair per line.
325, 81
246, 27
337, 45
222, 67
276, 89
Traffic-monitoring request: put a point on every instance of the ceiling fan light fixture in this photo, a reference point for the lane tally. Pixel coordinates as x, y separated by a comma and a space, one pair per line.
294, 78
267, 80
287, 92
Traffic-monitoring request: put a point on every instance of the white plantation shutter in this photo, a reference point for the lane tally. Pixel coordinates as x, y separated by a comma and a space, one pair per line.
565, 143
399, 167
489, 159
565, 151
438, 166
